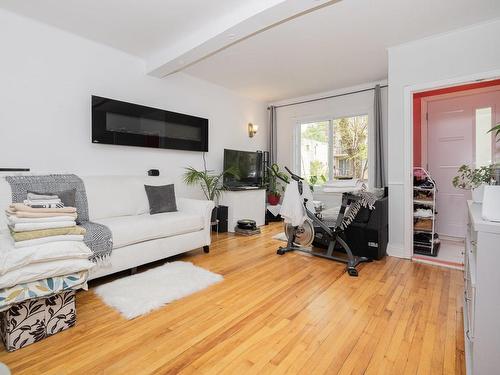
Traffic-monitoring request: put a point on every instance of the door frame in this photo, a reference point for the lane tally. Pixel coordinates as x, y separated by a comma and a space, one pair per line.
408, 141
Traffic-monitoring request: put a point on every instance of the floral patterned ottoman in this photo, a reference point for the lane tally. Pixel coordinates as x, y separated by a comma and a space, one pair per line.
33, 320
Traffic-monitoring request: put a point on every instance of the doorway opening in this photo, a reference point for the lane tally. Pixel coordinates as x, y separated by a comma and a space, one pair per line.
449, 129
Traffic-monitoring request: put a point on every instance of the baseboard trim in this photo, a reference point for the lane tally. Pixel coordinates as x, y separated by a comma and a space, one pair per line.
438, 262
397, 251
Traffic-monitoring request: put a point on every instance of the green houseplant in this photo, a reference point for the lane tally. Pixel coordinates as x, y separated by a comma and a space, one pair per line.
474, 179
274, 184
496, 130
313, 180
209, 182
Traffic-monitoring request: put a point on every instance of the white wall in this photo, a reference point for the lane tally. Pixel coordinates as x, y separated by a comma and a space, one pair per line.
288, 119
47, 77
451, 57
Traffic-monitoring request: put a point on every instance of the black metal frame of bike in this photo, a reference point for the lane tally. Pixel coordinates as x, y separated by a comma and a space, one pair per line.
334, 234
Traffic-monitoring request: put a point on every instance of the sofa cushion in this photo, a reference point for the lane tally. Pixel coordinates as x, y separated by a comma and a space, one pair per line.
113, 196
128, 230
161, 198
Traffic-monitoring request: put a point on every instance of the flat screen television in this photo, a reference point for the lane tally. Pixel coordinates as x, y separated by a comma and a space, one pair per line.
249, 166
120, 123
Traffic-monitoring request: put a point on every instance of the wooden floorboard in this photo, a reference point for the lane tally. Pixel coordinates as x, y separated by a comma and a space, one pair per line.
290, 314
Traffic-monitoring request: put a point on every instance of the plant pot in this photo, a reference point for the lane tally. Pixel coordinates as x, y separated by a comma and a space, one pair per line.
491, 203
477, 194
273, 199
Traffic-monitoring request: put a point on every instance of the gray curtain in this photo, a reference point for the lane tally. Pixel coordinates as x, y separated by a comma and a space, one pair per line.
273, 133
379, 141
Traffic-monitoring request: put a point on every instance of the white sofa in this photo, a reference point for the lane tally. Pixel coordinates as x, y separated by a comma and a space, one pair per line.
121, 203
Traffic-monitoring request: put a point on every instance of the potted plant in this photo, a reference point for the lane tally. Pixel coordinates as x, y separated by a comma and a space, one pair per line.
210, 184
495, 129
313, 180
274, 185
474, 180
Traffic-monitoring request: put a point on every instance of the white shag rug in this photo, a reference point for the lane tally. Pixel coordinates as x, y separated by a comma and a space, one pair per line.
141, 293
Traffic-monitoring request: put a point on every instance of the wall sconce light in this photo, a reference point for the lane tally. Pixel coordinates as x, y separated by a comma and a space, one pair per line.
252, 129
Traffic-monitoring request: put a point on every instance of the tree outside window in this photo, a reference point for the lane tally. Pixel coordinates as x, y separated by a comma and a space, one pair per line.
334, 149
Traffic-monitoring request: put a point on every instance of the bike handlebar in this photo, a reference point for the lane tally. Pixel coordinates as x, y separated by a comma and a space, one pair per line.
293, 175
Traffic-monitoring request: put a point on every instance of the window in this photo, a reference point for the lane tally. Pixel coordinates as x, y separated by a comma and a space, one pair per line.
483, 138
333, 149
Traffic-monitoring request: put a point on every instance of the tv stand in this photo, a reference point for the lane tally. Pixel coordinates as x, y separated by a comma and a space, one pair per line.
244, 204
239, 188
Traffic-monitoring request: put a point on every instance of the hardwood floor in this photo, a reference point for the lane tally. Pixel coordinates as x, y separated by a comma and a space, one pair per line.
271, 314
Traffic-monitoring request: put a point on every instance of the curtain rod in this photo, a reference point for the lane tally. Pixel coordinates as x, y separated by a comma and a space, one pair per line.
327, 97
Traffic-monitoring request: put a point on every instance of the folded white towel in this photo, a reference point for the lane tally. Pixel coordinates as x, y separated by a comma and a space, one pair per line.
343, 189
423, 213
33, 196
341, 183
13, 219
29, 202
38, 241
24, 227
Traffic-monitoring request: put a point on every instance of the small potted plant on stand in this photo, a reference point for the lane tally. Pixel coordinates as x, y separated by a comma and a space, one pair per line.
210, 184
474, 180
274, 187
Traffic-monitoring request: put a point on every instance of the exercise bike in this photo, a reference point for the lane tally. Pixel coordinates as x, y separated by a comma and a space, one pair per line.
301, 237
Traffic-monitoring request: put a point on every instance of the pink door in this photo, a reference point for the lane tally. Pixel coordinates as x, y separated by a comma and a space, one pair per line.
449, 145
451, 142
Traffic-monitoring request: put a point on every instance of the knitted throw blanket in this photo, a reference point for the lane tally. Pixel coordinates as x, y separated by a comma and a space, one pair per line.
365, 199
98, 237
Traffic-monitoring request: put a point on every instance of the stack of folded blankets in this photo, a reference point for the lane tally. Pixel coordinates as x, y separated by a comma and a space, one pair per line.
44, 252
42, 219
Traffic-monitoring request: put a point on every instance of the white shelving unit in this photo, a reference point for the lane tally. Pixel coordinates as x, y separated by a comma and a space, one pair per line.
421, 247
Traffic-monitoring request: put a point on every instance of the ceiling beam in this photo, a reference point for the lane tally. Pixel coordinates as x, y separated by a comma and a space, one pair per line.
255, 18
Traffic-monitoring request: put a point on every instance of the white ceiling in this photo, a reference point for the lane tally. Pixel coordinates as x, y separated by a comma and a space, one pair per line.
139, 27
340, 45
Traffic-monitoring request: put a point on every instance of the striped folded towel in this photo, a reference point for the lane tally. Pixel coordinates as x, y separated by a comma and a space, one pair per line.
20, 207
44, 204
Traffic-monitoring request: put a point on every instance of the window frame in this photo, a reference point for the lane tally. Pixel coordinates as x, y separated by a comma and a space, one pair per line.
297, 151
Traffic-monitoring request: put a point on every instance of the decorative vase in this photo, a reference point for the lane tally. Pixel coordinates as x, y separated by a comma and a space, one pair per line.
273, 199
477, 194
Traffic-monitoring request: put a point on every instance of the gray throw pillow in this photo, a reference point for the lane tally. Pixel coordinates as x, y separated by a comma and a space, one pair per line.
68, 197
161, 198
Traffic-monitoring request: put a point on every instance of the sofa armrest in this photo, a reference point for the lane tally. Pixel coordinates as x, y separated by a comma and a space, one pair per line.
197, 207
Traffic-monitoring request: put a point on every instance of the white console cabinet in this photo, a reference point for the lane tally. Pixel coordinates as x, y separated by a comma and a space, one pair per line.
244, 204
482, 294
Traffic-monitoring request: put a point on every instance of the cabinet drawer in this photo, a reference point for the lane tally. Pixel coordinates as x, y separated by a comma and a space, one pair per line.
469, 310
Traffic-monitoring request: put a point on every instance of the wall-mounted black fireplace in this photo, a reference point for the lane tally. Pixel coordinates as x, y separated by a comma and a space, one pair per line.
119, 123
